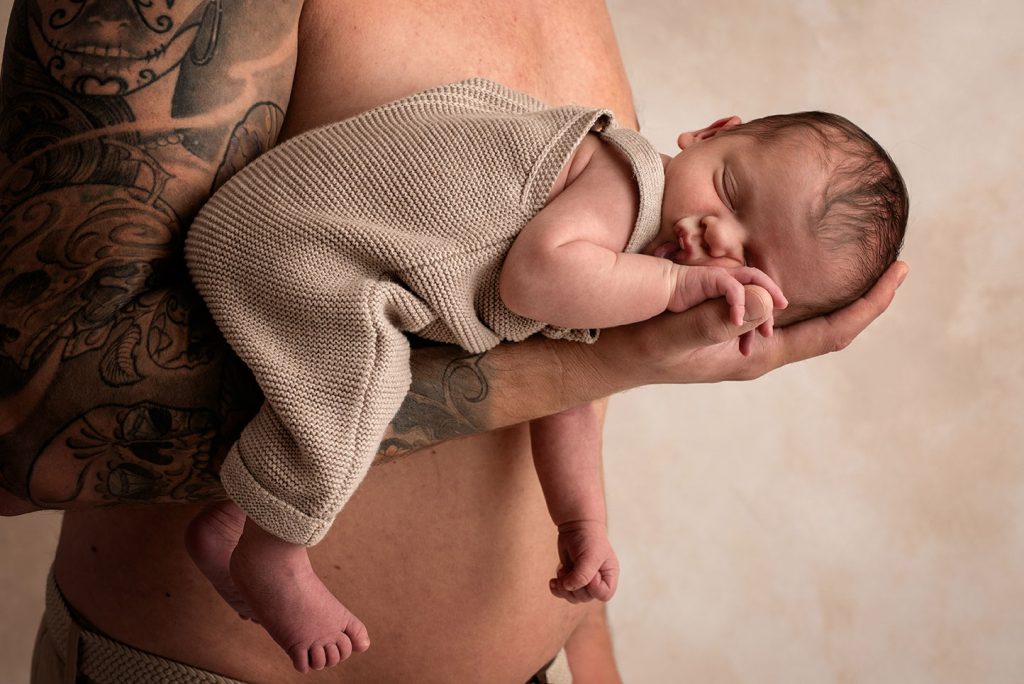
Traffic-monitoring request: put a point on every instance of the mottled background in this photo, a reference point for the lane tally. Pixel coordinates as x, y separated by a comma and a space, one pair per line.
857, 518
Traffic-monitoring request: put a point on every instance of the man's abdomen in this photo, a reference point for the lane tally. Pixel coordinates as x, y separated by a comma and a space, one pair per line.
445, 555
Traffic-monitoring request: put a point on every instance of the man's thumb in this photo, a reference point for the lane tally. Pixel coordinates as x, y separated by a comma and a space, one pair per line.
758, 307
714, 324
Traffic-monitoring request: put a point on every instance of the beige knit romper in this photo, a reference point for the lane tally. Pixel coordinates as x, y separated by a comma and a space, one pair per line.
315, 259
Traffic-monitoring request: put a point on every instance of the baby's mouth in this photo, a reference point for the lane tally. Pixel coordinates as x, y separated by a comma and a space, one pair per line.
666, 250
672, 250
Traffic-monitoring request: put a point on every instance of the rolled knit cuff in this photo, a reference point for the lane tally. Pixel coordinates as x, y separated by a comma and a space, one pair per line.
277, 517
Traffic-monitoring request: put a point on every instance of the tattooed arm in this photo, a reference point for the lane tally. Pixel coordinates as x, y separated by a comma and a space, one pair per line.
118, 120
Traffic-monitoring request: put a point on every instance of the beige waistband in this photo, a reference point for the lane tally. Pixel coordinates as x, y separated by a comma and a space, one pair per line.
105, 661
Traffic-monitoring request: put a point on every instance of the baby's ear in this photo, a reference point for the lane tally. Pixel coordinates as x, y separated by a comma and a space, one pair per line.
691, 137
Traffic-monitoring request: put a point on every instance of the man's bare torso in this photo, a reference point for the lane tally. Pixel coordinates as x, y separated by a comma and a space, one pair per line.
452, 541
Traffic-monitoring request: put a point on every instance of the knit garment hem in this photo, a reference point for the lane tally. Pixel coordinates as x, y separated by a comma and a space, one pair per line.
276, 516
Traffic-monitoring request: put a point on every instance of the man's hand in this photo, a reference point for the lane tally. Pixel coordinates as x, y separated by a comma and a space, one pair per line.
700, 344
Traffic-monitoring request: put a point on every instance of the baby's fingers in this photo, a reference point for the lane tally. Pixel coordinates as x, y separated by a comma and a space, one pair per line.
602, 587
735, 295
749, 275
558, 590
555, 585
585, 569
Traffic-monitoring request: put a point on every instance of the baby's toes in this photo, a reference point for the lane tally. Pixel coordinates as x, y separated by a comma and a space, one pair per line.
333, 654
356, 632
344, 646
317, 656
299, 653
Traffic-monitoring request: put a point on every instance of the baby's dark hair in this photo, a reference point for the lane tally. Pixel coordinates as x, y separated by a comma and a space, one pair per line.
863, 217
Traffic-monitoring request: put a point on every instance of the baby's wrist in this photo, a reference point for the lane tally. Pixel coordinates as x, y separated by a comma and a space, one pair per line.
677, 287
582, 524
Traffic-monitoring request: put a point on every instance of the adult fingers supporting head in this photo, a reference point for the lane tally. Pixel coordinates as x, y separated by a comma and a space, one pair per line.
700, 344
838, 329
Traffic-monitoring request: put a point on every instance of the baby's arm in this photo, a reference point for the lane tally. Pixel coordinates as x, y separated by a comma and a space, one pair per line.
567, 456
567, 267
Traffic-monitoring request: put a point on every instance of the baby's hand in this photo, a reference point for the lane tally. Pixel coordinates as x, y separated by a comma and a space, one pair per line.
589, 568
696, 284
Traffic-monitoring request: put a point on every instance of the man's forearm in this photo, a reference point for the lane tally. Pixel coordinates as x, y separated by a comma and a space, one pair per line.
455, 394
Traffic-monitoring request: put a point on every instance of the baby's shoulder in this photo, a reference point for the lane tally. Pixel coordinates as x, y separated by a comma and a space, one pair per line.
597, 164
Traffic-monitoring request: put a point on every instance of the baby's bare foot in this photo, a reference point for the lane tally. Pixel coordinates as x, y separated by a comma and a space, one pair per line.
211, 538
292, 604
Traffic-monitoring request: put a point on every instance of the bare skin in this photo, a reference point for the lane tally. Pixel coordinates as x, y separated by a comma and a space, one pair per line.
76, 437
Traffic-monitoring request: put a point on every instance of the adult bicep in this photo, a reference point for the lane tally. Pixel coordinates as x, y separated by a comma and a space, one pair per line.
118, 120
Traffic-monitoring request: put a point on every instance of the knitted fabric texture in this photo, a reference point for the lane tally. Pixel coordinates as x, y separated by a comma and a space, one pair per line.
92, 657
317, 257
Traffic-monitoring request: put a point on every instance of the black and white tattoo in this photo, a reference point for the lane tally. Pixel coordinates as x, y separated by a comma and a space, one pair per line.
436, 411
115, 384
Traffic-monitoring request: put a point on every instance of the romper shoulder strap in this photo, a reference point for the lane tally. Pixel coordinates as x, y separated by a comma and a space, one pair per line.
649, 172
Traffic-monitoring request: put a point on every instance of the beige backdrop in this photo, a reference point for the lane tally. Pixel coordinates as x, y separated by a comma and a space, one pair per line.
857, 518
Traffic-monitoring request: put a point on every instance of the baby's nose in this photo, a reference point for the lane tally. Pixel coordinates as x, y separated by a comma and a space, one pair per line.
715, 249
717, 238
691, 241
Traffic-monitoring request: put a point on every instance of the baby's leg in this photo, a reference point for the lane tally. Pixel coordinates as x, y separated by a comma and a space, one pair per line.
211, 539
567, 456
301, 614
272, 582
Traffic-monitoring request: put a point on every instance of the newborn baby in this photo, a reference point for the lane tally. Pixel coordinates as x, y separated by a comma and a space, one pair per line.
472, 214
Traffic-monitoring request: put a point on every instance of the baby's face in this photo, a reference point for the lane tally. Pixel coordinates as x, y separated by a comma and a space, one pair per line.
732, 200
